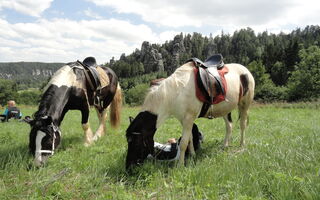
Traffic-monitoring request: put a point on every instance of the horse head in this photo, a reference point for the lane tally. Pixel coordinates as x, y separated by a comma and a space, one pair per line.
140, 138
43, 139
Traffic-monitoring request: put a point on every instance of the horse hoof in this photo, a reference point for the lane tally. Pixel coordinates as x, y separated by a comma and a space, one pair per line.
96, 137
86, 144
180, 164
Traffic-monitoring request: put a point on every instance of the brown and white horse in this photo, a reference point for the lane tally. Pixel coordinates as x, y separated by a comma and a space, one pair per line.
176, 96
67, 90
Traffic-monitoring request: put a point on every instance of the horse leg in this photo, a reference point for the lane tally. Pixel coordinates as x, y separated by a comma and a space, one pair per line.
190, 146
186, 139
228, 122
102, 124
243, 124
244, 104
86, 127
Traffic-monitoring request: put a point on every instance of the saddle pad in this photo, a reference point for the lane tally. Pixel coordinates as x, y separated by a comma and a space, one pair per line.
104, 79
199, 93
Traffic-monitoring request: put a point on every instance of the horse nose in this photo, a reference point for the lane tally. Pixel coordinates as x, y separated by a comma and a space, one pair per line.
38, 163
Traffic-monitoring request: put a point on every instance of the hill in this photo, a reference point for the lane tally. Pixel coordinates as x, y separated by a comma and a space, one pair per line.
28, 74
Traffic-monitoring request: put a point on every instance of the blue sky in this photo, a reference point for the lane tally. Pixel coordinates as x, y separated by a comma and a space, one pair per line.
68, 30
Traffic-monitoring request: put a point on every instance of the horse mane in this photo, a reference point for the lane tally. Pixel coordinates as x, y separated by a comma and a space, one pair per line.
61, 77
166, 92
45, 100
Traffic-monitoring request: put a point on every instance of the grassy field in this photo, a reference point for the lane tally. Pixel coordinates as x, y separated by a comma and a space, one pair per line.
281, 161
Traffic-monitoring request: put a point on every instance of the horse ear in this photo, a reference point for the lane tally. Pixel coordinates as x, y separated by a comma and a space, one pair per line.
131, 119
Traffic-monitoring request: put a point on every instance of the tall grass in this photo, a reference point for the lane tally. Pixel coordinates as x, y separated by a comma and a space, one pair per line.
280, 161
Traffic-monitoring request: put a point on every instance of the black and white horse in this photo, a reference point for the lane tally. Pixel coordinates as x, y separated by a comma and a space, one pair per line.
67, 90
176, 96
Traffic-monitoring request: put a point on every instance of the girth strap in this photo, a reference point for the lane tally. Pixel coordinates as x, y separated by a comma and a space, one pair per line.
204, 109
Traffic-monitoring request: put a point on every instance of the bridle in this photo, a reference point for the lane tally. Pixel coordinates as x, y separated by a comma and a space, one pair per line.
55, 129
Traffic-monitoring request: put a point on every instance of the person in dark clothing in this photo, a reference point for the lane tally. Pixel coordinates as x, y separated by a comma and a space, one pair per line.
171, 150
11, 112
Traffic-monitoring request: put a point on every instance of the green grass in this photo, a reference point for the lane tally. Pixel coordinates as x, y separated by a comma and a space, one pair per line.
281, 161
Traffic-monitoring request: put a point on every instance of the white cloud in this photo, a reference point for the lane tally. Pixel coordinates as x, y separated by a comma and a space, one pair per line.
88, 12
226, 13
162, 12
166, 36
28, 7
63, 40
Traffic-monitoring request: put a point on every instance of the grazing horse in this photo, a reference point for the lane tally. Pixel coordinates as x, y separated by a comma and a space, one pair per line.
70, 88
176, 96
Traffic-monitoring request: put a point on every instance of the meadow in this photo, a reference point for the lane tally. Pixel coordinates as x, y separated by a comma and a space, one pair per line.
281, 160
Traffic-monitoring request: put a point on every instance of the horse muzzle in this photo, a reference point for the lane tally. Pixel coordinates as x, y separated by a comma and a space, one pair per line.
40, 160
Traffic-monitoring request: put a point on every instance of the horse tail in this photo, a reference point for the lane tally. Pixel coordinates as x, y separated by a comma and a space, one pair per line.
115, 108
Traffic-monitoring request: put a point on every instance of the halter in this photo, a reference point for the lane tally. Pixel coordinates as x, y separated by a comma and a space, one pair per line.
55, 129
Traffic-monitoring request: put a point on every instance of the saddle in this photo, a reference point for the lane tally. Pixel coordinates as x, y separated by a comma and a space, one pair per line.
209, 80
96, 78
90, 65
215, 61
209, 75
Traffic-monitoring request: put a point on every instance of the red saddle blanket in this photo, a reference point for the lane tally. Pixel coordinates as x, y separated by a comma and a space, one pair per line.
200, 94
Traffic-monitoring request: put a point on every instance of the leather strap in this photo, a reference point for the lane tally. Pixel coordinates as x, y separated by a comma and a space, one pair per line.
86, 69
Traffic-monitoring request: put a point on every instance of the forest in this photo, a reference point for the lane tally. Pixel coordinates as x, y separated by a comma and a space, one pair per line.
286, 66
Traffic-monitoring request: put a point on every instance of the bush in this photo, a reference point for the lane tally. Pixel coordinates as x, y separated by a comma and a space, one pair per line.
269, 92
29, 97
304, 84
135, 95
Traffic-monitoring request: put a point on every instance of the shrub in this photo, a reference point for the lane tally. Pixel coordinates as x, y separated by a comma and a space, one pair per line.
29, 97
135, 95
304, 84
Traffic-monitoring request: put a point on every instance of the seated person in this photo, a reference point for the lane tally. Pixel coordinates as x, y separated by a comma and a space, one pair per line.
171, 150
11, 112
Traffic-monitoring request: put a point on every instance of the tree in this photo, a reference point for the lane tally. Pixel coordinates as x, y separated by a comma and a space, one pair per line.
258, 71
223, 46
197, 46
292, 54
244, 46
304, 84
8, 91
265, 89
279, 73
